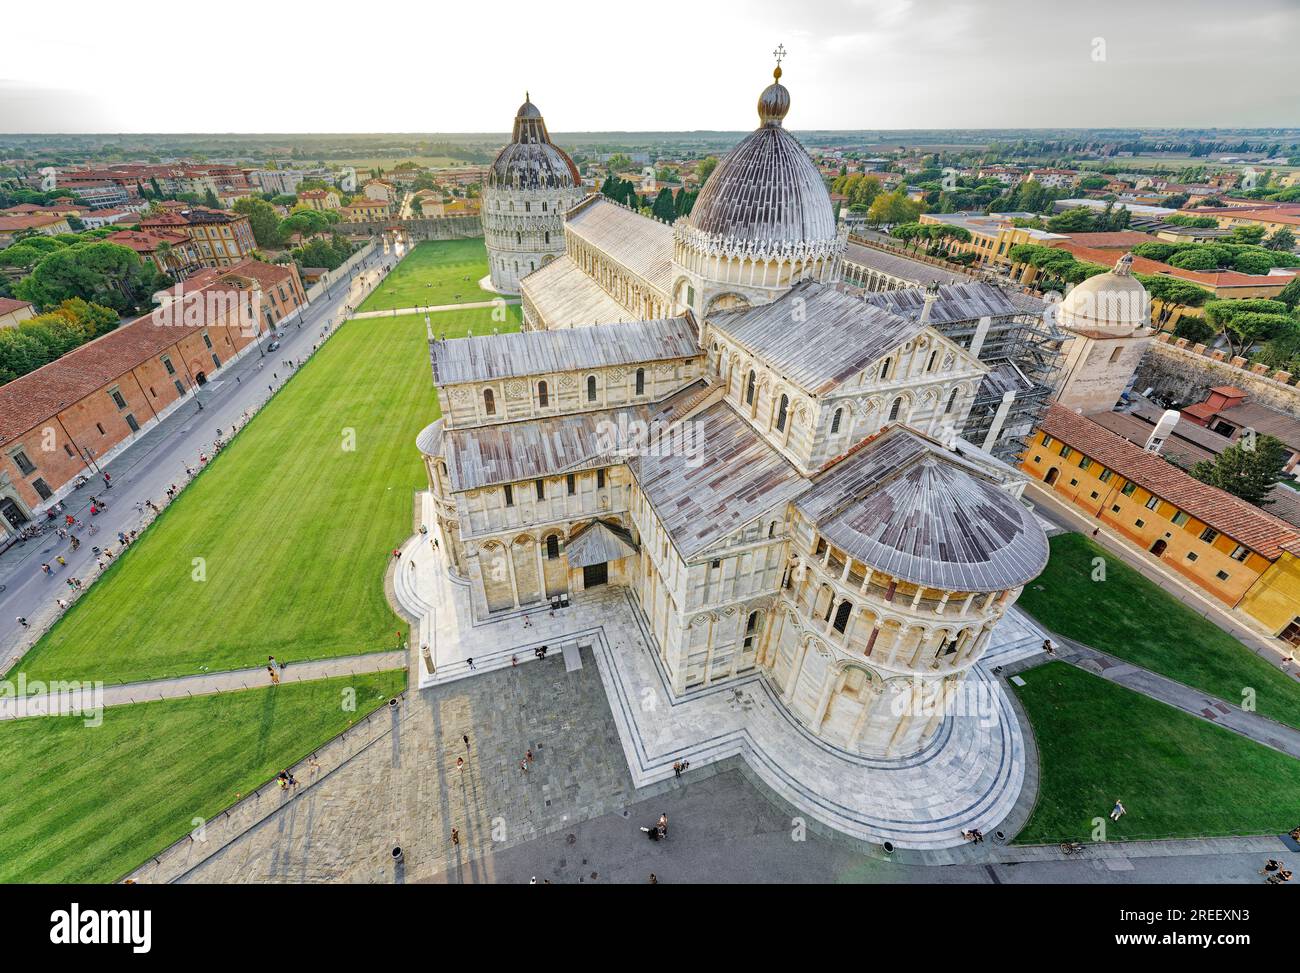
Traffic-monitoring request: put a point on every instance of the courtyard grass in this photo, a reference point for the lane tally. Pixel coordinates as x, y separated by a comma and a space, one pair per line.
1178, 776
434, 273
293, 530
1132, 618
88, 804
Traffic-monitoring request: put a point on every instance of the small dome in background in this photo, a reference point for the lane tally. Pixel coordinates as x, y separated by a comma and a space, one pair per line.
1113, 301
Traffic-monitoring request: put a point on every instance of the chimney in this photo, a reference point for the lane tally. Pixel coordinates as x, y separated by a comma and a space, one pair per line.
1156, 441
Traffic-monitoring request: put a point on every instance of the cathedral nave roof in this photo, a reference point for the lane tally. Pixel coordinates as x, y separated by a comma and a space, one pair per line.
565, 297
491, 357
732, 477
816, 336
642, 245
968, 301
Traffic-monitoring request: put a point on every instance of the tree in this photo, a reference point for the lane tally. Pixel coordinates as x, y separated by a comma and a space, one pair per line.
1290, 295
1175, 296
894, 207
1244, 323
1282, 239
705, 168
1247, 469
663, 208
101, 273
210, 199
263, 219
41, 339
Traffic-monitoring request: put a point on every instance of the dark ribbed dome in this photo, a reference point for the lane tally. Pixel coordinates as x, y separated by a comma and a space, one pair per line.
531, 160
767, 189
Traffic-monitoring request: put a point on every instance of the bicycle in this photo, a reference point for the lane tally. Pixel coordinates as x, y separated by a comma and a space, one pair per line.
1071, 848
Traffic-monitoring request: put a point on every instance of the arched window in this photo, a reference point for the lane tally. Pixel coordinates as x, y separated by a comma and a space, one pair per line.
548, 232
519, 238
884, 367
591, 388
895, 409
749, 388
640, 381
842, 616
934, 355
835, 421
543, 397
552, 547
752, 622
528, 207
489, 402
781, 413
952, 401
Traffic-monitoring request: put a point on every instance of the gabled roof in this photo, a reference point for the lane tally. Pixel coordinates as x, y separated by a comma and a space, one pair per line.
728, 476
565, 297
642, 245
1230, 515
484, 359
916, 511
597, 543
816, 336
967, 301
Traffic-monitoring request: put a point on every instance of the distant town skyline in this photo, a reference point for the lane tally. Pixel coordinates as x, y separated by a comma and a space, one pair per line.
852, 64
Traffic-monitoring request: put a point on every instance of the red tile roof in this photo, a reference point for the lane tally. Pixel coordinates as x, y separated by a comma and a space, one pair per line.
1243, 522
34, 398
8, 305
1142, 265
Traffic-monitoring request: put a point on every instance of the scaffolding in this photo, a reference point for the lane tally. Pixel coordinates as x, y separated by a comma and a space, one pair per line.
1018, 339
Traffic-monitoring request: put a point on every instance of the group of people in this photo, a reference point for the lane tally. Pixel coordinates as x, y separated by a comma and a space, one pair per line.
1276, 872
973, 835
660, 830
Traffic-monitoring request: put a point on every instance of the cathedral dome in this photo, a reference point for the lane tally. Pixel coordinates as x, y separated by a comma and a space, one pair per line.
767, 190
532, 160
1113, 301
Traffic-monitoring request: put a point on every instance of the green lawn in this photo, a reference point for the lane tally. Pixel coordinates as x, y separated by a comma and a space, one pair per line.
1177, 775
434, 273
458, 322
1130, 617
294, 530
88, 804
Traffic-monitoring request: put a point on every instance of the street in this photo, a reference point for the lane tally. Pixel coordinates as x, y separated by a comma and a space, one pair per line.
158, 459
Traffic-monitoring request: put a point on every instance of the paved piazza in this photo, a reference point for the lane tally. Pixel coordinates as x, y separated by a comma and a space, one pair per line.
970, 775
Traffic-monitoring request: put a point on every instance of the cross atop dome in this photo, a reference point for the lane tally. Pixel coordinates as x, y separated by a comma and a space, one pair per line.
779, 54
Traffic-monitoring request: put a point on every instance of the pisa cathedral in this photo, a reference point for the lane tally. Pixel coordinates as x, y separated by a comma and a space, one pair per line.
818, 517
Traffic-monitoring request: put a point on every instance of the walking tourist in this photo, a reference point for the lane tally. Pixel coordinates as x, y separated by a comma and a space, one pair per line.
1118, 811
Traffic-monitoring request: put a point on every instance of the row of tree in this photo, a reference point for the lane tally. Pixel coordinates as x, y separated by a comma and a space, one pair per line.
41, 339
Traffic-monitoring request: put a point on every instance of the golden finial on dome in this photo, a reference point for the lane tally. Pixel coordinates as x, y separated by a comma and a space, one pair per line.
779, 54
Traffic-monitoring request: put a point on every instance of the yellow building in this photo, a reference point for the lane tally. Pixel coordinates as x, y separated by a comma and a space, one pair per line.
992, 236
320, 199
361, 210
1232, 550
1274, 600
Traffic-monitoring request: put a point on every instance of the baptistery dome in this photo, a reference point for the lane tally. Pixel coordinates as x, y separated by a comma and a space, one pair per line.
531, 184
767, 189
531, 160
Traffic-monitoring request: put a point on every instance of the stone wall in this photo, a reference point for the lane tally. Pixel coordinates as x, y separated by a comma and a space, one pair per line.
1183, 373
434, 228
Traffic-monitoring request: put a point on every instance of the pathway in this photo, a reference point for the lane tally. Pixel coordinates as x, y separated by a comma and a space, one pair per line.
68, 698
430, 308
1261, 729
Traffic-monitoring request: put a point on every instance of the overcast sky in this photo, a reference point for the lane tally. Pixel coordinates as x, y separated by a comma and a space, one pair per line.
263, 66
